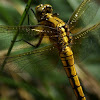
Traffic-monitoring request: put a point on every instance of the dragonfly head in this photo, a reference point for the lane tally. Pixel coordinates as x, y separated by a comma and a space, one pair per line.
41, 10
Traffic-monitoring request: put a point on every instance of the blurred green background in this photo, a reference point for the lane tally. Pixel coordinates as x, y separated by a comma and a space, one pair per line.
48, 85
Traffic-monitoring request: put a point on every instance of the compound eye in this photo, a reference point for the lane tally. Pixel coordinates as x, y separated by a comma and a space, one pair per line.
39, 7
48, 8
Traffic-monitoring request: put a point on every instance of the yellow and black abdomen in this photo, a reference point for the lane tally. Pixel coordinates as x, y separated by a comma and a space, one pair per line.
62, 43
68, 63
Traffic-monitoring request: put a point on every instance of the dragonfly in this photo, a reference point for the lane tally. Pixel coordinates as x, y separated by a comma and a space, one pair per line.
64, 40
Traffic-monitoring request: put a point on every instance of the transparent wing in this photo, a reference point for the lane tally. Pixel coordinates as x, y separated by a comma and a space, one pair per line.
41, 59
83, 15
28, 30
35, 60
28, 33
86, 43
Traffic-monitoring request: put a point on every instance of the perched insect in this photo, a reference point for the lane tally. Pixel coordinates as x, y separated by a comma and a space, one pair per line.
65, 38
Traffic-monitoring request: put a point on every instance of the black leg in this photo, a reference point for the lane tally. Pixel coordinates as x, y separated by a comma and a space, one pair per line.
40, 40
36, 46
33, 12
29, 43
24, 41
41, 36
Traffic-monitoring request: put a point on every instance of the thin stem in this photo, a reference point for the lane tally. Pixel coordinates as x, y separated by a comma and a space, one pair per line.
17, 33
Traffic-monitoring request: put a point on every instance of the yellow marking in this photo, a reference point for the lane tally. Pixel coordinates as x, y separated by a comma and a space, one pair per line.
63, 59
68, 51
71, 71
64, 63
65, 40
38, 30
62, 55
76, 80
84, 98
69, 57
71, 62
62, 30
55, 20
80, 91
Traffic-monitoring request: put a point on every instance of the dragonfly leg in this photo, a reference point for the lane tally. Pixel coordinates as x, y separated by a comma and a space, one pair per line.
36, 46
24, 41
33, 12
40, 40
29, 43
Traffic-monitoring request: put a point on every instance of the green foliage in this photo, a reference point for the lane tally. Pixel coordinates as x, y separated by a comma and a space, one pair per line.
48, 85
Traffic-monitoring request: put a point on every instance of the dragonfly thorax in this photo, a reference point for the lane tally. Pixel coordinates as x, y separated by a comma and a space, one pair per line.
41, 10
45, 17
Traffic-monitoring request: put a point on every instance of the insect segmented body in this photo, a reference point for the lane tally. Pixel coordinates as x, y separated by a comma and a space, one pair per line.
61, 40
